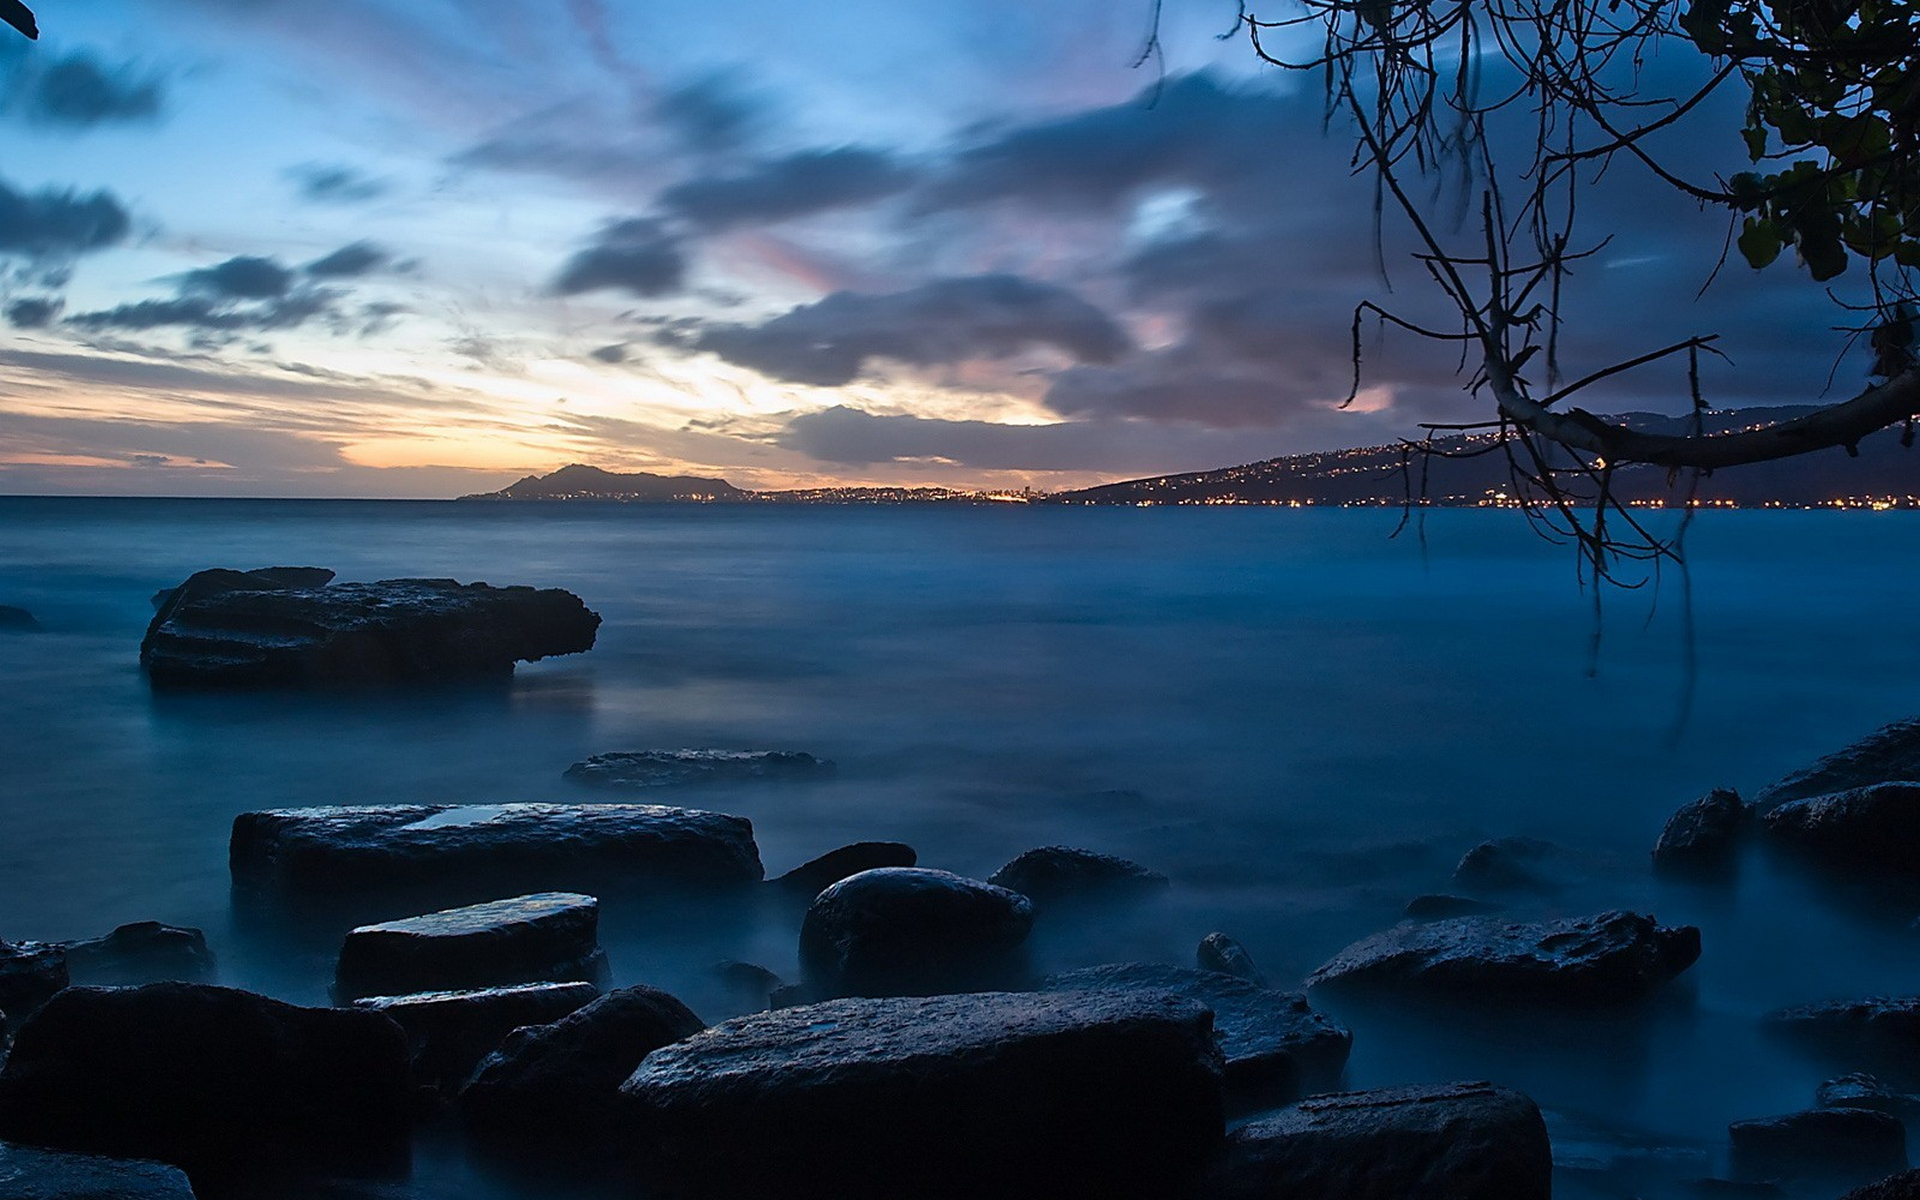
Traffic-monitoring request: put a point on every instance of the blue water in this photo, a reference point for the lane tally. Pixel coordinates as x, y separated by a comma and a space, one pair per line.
1301, 721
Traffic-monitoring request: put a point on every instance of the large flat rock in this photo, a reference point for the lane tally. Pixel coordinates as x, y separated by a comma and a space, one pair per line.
31, 1173
1045, 1094
1876, 827
451, 1031
542, 937
1880, 1034
505, 846
1889, 753
228, 628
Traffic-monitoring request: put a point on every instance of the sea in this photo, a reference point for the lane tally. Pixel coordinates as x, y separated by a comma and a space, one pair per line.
1300, 718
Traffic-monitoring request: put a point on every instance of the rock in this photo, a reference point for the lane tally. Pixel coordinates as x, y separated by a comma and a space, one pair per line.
555, 1087
260, 579
30, 1173
1836, 1147
1056, 874
1861, 1090
991, 1094
1612, 957
1904, 1186
751, 982
17, 620
1462, 1141
1875, 827
1513, 864
1218, 952
1596, 1156
1276, 1047
543, 937
214, 632
1702, 838
30, 973
207, 1078
678, 768
143, 952
817, 875
1889, 753
450, 1032
1435, 907
912, 931
501, 846
1878, 1033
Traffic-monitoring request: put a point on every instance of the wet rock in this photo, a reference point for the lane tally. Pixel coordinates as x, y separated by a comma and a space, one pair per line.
450, 1032
990, 1094
1595, 1155
1514, 864
817, 875
1218, 952
207, 1078
678, 768
546, 936
1836, 1147
17, 620
750, 982
1703, 837
1612, 957
1889, 753
1875, 827
503, 846
1057, 874
142, 952
912, 931
555, 1087
214, 632
1463, 1141
1861, 1090
30, 973
260, 579
1904, 1186
1276, 1047
1437, 906
1876, 1033
31, 1173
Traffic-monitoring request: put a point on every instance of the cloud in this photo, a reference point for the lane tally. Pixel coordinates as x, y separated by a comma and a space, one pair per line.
796, 185
51, 223
350, 261
34, 312
829, 342
78, 91
638, 255
320, 183
616, 353
710, 113
210, 313
1182, 385
241, 277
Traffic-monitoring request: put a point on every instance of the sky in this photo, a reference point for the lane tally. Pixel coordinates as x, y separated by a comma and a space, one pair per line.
425, 247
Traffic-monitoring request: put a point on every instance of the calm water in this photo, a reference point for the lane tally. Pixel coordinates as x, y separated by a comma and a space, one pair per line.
1302, 722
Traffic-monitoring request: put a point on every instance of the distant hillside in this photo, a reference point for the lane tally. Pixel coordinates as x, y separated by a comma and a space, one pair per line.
579, 482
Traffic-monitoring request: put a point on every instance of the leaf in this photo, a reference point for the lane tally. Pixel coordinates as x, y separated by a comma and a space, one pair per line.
1756, 141
1759, 242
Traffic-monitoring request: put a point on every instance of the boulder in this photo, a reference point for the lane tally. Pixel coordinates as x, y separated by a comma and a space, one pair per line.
1831, 1147
1876, 1033
1514, 864
208, 1078
1876, 828
1438, 907
912, 931
30, 973
260, 579
751, 983
814, 876
17, 620
212, 632
1889, 753
543, 937
634, 769
1609, 958
1462, 1141
554, 1088
142, 952
1861, 1090
1275, 1046
990, 1094
1218, 952
1904, 1186
500, 846
31, 1173
1702, 839
450, 1032
1057, 874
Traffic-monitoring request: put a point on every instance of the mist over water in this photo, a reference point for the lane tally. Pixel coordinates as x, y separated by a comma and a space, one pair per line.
1302, 722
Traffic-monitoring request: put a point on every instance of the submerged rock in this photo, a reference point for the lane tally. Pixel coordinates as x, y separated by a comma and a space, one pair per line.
912, 931
1514, 864
1889, 753
30, 973
503, 846
142, 952
749, 982
17, 620
1218, 952
215, 630
1438, 906
992, 1094
678, 768
1904, 1186
816, 875
1876, 1033
1702, 838
207, 1078
1861, 1090
547, 936
554, 1088
1276, 1047
450, 1032
1837, 1147
1876, 827
1057, 874
1462, 1141
260, 579
31, 1173
1612, 957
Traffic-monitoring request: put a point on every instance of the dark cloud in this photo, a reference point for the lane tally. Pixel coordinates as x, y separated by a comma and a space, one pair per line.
243, 277
712, 113
34, 312
796, 185
320, 183
56, 224
79, 91
349, 262
243, 293
829, 342
615, 353
637, 255
1183, 386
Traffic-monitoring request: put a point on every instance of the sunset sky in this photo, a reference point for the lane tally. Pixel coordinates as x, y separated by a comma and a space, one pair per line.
419, 248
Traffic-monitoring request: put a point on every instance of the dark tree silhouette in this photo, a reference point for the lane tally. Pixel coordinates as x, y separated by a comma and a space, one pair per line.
20, 17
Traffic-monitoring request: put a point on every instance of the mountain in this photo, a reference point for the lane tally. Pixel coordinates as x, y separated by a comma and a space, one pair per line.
577, 482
